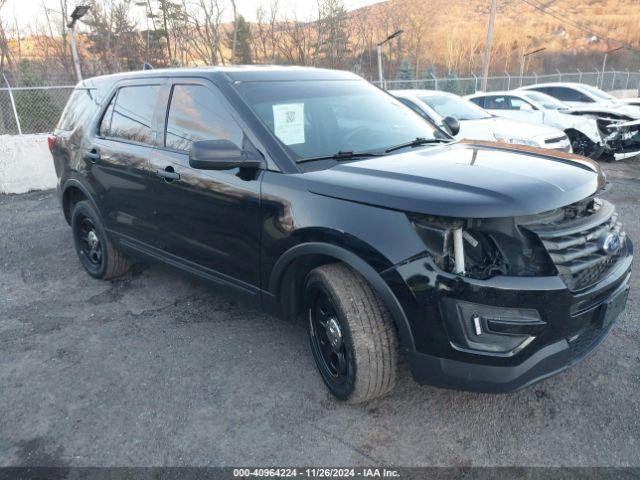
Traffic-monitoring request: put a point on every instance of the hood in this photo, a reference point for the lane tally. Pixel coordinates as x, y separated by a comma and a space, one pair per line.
610, 108
484, 129
598, 110
463, 179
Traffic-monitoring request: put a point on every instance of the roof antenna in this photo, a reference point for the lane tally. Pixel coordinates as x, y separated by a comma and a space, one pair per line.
147, 66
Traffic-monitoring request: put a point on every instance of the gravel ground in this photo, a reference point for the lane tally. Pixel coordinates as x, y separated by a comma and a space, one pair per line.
157, 369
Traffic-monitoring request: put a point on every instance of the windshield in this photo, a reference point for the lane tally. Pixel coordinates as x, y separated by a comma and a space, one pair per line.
320, 118
598, 93
454, 106
547, 101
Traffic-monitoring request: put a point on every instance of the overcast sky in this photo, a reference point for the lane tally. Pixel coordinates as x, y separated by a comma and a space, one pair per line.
28, 10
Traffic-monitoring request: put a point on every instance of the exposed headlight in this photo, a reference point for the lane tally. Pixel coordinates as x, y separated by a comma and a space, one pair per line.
515, 140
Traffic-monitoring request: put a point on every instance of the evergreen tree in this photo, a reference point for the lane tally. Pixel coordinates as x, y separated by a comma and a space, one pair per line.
405, 73
451, 83
427, 78
243, 42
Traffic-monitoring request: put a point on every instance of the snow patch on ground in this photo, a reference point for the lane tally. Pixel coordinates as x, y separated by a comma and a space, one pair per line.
25, 164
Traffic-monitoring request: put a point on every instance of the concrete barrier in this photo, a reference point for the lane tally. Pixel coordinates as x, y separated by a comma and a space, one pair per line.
25, 164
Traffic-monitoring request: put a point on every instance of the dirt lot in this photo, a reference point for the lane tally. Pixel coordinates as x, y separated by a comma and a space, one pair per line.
155, 369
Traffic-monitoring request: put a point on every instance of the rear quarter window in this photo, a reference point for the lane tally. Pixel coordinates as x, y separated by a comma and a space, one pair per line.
80, 109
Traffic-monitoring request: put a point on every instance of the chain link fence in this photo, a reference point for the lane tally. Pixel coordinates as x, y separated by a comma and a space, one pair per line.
608, 81
37, 109
31, 109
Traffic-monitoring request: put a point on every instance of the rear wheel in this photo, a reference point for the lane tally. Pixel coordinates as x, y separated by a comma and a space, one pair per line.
352, 336
97, 254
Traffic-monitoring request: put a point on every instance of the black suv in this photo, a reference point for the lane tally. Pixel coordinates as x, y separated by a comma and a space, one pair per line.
319, 196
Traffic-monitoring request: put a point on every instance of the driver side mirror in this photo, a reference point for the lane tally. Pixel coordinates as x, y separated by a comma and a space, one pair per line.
222, 155
452, 124
525, 107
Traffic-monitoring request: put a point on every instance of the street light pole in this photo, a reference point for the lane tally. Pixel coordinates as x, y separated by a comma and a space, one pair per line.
379, 52
524, 59
76, 15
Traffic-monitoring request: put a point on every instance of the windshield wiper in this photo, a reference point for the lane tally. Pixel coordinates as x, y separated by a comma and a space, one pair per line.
340, 155
416, 142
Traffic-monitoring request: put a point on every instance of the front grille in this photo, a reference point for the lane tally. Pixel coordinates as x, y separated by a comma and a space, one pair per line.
575, 245
556, 139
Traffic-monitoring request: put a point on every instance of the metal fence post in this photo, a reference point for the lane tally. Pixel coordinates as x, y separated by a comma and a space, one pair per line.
579, 75
626, 85
13, 104
508, 80
435, 80
535, 76
475, 89
613, 80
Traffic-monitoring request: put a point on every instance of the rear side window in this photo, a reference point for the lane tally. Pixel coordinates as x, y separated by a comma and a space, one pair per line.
81, 107
197, 113
478, 101
130, 114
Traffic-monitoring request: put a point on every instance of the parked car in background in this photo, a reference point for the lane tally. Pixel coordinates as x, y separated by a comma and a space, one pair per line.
476, 123
536, 107
619, 123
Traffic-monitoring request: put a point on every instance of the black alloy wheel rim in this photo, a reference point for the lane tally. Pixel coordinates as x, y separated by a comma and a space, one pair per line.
327, 339
89, 242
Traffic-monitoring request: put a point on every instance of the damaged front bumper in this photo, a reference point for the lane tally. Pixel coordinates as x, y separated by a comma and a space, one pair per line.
505, 333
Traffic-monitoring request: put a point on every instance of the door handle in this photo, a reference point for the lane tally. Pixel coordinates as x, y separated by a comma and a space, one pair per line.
169, 174
92, 155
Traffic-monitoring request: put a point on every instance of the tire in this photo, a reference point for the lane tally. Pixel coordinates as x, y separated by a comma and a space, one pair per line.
96, 252
583, 145
364, 366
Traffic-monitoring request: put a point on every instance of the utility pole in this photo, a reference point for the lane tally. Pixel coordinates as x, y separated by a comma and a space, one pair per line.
76, 15
379, 51
486, 55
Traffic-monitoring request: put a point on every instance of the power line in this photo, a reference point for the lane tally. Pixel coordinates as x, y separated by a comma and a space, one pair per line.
564, 17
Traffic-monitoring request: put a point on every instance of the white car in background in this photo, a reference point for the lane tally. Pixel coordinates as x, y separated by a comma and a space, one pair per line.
619, 122
535, 107
583, 95
447, 110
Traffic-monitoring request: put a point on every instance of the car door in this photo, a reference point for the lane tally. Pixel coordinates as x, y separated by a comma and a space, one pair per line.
118, 159
209, 220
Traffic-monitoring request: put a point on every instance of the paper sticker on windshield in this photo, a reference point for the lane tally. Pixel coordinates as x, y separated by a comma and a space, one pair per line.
288, 122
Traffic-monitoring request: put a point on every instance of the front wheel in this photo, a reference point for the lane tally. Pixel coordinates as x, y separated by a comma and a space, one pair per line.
352, 335
583, 145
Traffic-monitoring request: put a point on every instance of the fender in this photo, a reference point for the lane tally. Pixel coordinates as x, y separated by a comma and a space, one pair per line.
359, 265
74, 182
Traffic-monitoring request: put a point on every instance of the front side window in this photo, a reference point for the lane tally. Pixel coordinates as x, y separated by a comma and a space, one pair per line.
495, 103
516, 103
454, 106
569, 95
197, 113
319, 118
130, 115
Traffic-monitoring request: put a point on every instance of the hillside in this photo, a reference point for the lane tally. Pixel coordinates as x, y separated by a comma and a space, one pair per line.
450, 34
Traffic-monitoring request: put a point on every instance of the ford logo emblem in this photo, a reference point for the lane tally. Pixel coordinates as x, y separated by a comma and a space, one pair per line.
611, 243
